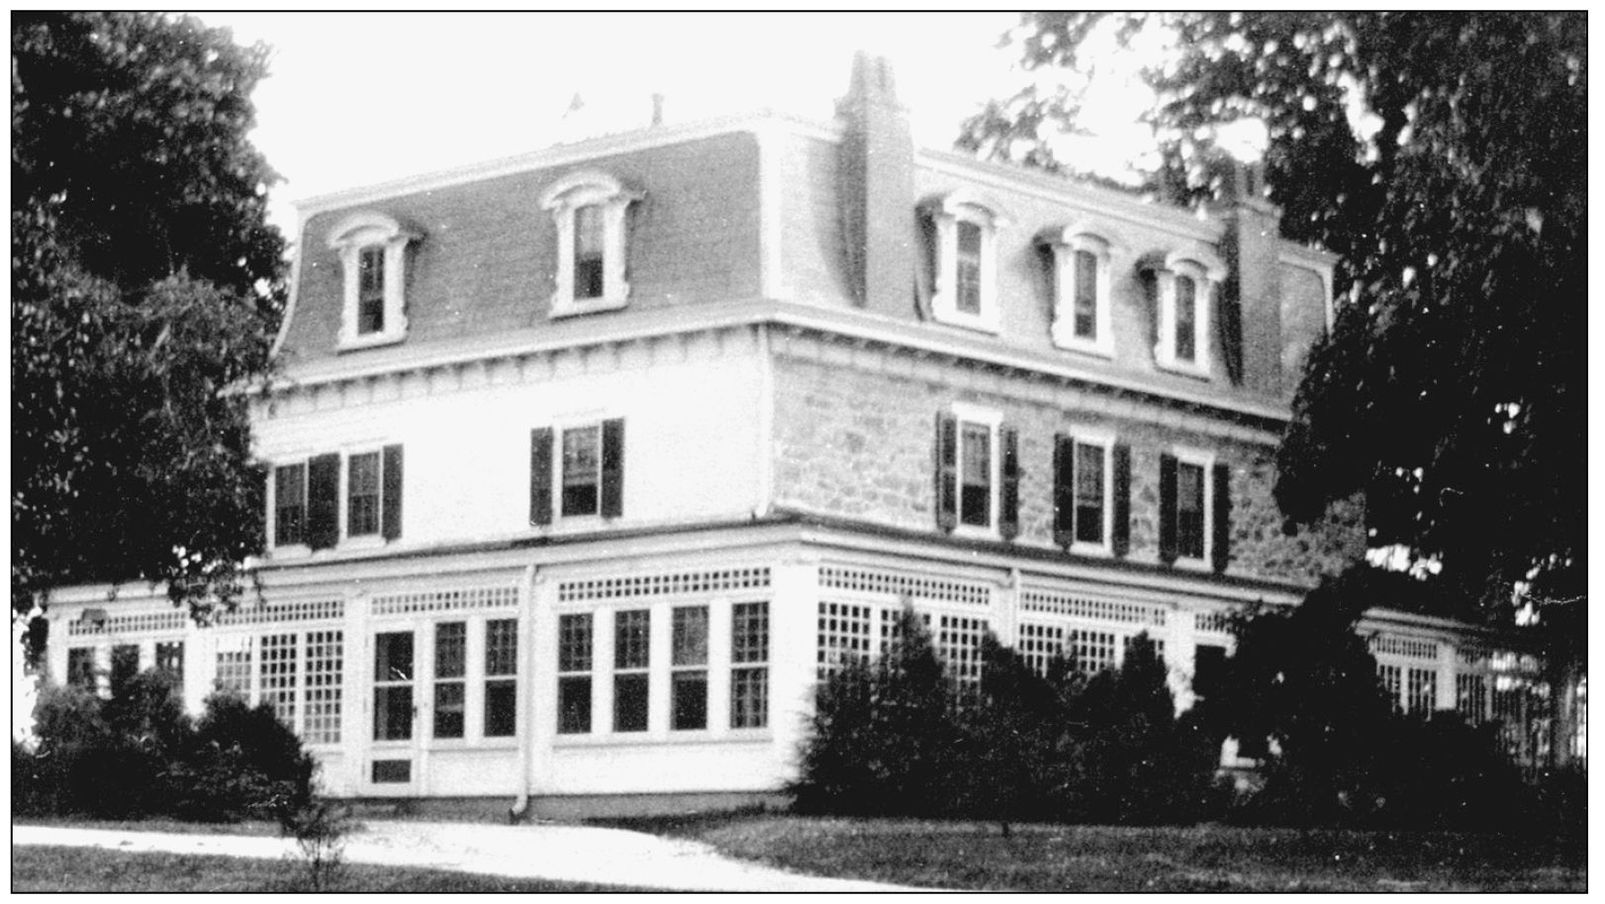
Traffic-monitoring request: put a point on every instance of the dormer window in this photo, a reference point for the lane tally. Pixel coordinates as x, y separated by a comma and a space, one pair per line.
966, 262
372, 249
1185, 284
1083, 315
590, 211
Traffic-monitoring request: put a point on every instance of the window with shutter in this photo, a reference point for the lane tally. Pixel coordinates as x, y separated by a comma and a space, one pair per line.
1083, 492
1187, 502
289, 504
586, 479
947, 456
977, 473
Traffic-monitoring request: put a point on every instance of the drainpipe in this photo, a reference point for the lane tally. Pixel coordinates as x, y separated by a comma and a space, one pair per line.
526, 651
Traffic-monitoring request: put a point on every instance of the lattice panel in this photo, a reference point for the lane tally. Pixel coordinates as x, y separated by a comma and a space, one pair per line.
958, 642
134, 623
1039, 644
1474, 657
1395, 645
280, 613
1077, 606
638, 586
869, 580
446, 600
1212, 622
844, 631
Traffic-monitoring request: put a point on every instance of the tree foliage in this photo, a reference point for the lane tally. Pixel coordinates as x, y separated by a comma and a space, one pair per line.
1444, 157
145, 281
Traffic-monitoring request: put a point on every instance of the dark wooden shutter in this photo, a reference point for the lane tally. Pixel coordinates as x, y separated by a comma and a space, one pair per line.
1120, 534
323, 501
613, 468
1221, 547
1064, 490
947, 471
1167, 508
1229, 330
390, 504
1009, 501
540, 475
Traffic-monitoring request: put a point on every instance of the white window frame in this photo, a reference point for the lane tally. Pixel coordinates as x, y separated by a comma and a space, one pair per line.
1205, 460
349, 238
1206, 271
345, 539
1065, 244
992, 419
561, 426
275, 548
563, 199
1106, 439
947, 212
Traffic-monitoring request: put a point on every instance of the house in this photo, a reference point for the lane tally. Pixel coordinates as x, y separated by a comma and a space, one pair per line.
586, 465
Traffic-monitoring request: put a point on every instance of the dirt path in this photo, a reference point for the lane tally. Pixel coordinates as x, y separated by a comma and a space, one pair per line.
567, 853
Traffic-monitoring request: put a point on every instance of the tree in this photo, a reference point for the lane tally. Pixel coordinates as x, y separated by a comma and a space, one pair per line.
1444, 157
145, 282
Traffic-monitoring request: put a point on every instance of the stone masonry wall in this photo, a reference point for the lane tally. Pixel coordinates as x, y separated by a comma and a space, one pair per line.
854, 443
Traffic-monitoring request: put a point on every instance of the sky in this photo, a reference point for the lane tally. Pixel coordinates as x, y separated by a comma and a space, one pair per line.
359, 98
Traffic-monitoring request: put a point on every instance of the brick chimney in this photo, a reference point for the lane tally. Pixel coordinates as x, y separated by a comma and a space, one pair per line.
1253, 291
875, 189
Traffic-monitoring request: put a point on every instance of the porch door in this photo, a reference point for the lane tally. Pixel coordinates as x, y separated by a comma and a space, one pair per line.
394, 766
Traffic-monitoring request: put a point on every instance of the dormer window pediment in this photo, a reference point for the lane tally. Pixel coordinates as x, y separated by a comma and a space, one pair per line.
1083, 304
1186, 281
372, 248
589, 209
966, 278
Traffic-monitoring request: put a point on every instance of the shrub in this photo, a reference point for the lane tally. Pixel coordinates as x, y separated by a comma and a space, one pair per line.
884, 735
319, 828
138, 754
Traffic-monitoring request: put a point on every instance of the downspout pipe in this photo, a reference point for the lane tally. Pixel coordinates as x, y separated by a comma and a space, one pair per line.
519, 812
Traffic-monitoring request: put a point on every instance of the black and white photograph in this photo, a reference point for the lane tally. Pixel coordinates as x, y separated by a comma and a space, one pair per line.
799, 452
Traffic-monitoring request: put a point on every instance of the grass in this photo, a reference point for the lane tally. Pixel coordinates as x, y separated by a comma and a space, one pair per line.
155, 824
77, 869
1048, 858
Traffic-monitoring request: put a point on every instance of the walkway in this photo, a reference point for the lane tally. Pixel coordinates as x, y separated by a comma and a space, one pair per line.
560, 852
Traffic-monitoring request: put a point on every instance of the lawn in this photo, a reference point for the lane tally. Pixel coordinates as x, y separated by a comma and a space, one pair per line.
78, 869
1047, 858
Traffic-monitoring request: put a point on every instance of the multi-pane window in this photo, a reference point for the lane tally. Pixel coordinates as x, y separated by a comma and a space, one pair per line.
234, 670
501, 677
81, 667
1422, 688
1085, 311
574, 673
1186, 318
688, 680
362, 508
371, 290
1471, 697
1039, 645
589, 248
749, 659
968, 277
289, 504
451, 669
324, 658
582, 470
975, 474
124, 666
632, 632
170, 660
278, 675
1392, 681
1092, 651
1190, 510
392, 686
844, 633
1089, 482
